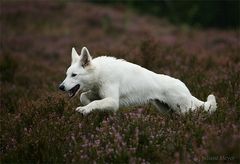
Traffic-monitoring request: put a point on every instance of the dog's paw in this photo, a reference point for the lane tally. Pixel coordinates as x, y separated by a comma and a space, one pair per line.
85, 111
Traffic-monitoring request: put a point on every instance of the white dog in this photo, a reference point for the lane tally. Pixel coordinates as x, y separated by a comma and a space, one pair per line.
107, 83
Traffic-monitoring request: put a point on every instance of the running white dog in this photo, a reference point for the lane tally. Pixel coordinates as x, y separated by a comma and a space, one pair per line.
107, 83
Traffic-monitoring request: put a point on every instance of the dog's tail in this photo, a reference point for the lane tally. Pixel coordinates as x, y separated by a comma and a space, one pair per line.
210, 105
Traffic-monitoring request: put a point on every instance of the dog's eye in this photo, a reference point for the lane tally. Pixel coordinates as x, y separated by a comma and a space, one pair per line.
73, 74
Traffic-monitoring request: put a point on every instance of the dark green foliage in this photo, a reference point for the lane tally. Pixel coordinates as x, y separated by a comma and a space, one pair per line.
210, 13
8, 67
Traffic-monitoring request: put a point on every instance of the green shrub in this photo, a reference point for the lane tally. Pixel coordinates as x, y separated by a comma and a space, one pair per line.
8, 66
211, 13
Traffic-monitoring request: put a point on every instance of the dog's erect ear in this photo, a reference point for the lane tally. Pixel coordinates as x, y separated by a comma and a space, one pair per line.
85, 58
75, 56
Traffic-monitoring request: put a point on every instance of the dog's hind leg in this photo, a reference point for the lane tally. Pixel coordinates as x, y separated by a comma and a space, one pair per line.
161, 107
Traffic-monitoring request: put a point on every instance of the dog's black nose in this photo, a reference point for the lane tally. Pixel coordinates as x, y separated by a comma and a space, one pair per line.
61, 87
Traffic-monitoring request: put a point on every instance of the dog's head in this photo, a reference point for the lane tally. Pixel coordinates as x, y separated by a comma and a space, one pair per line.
79, 75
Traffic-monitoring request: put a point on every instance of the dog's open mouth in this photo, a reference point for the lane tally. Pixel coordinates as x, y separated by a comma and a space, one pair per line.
73, 91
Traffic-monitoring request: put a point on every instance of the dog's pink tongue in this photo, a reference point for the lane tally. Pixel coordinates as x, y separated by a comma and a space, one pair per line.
70, 94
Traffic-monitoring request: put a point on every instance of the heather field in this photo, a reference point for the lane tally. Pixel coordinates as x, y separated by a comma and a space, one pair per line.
39, 123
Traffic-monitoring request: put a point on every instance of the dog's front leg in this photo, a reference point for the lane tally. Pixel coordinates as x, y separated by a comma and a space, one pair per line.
88, 97
110, 101
84, 99
104, 104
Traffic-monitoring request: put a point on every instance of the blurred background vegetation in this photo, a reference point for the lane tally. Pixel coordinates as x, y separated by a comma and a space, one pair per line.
205, 13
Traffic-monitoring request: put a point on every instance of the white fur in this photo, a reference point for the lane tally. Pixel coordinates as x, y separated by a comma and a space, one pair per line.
108, 83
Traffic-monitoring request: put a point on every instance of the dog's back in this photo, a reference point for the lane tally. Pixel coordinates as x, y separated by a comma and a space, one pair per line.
137, 85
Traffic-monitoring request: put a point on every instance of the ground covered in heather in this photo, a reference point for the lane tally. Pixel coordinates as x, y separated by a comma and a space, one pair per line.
39, 123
